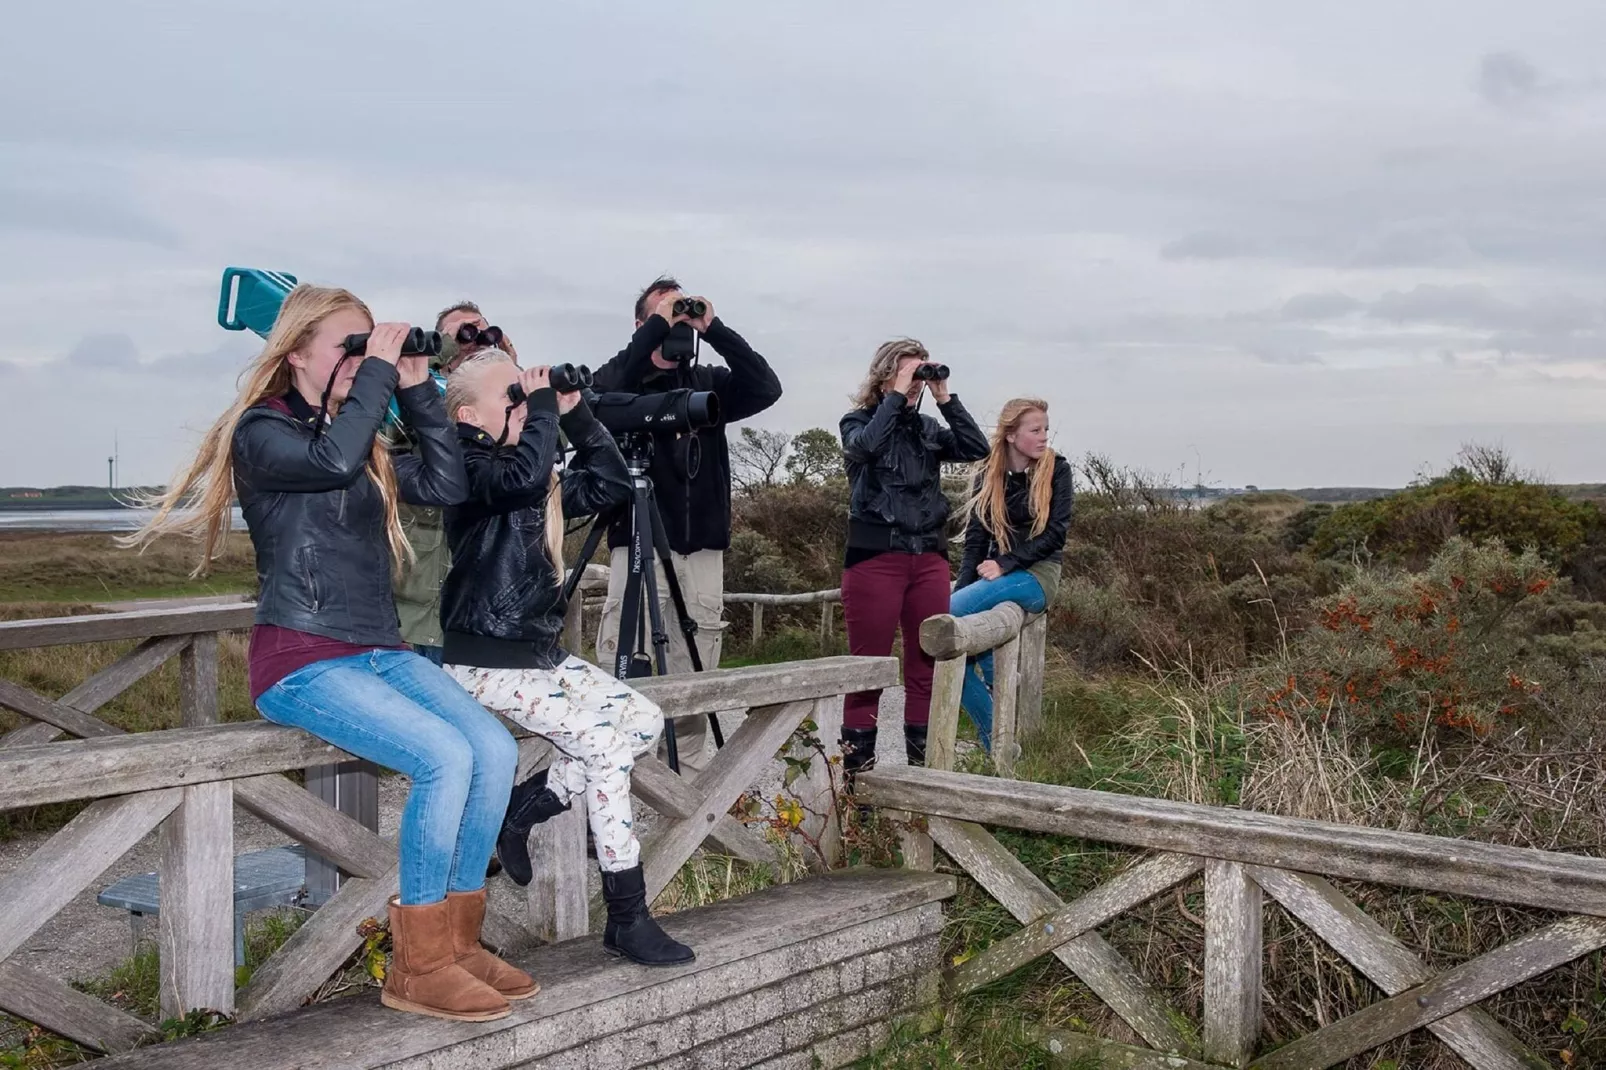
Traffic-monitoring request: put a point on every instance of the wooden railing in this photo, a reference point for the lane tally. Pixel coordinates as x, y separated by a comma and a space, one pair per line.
186, 780
1245, 856
1017, 641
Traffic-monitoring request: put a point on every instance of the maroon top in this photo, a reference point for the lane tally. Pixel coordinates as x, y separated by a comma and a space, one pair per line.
277, 652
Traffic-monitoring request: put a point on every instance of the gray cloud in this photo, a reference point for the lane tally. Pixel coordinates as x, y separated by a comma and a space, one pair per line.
1178, 227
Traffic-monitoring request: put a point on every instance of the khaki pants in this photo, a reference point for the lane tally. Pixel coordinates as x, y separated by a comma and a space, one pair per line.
702, 582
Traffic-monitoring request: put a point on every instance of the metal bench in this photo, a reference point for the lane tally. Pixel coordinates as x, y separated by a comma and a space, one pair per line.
276, 877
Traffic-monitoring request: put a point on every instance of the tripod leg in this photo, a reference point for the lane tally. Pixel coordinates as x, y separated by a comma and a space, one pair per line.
688, 623
646, 586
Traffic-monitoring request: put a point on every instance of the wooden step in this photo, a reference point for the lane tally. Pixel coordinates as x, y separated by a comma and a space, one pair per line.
813, 970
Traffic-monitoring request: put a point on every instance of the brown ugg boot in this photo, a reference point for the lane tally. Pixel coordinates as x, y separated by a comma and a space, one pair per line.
467, 911
424, 975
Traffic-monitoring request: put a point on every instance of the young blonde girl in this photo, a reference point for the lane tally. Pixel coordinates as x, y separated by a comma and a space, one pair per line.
319, 490
1017, 519
502, 613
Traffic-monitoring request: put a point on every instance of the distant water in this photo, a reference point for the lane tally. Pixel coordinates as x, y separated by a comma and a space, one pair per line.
81, 519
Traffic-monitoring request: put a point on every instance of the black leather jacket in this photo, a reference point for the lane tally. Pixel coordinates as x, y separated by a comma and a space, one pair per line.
696, 511
894, 458
502, 606
316, 518
1024, 550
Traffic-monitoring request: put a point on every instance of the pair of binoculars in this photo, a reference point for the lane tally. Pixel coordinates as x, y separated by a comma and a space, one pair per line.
418, 343
470, 335
565, 379
932, 372
689, 306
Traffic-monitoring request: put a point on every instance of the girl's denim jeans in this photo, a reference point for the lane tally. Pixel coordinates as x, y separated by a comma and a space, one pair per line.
1020, 587
395, 709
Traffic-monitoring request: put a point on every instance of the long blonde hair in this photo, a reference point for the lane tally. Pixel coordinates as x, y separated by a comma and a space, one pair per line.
987, 501
462, 387
198, 500
883, 366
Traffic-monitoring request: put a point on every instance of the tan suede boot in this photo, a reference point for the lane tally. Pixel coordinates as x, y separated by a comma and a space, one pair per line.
467, 911
424, 975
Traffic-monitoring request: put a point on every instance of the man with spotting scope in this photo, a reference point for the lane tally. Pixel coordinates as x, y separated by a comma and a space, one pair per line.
690, 472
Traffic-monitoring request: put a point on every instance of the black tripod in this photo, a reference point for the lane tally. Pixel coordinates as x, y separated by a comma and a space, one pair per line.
646, 537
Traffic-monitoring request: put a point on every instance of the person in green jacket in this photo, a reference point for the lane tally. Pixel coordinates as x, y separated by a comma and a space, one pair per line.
464, 332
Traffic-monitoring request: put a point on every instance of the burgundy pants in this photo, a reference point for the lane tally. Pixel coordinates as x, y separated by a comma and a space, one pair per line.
877, 596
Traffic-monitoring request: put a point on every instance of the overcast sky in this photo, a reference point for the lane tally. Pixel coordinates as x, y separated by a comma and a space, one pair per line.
1281, 244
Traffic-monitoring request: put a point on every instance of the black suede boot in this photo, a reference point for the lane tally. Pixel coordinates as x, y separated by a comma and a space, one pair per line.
531, 803
631, 931
914, 743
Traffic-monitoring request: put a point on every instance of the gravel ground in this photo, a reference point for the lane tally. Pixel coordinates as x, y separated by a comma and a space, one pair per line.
86, 939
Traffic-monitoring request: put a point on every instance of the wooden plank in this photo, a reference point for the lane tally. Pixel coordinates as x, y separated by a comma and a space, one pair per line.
1547, 879
807, 598
671, 795
1234, 918
197, 916
744, 757
1511, 964
1114, 897
947, 682
1033, 648
13, 696
816, 792
1006, 682
948, 636
102, 687
146, 761
718, 690
758, 622
1066, 1048
65, 864
197, 681
1101, 967
141, 624
316, 950
556, 899
356, 849
45, 1001
1389, 964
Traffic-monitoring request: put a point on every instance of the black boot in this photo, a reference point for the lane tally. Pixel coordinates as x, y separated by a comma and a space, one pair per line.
858, 751
914, 743
631, 930
531, 803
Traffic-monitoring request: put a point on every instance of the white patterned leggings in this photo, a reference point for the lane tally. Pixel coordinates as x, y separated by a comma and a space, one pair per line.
599, 727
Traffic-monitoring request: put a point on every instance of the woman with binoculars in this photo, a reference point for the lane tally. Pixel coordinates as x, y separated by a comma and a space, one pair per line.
896, 569
502, 612
300, 447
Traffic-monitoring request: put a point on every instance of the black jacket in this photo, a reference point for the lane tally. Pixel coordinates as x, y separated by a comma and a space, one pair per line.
697, 513
502, 605
316, 519
894, 458
1024, 550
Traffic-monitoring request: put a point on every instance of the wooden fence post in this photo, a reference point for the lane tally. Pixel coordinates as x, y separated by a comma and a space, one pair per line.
197, 865
947, 682
557, 898
758, 622
1232, 963
1006, 683
1033, 649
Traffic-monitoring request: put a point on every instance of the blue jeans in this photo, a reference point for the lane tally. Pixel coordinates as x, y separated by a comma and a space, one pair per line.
397, 710
1020, 587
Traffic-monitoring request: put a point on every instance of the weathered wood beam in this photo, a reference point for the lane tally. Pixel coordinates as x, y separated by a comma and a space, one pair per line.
316, 950
1389, 964
671, 795
140, 624
557, 899
342, 839
1511, 964
1234, 919
1006, 684
737, 764
1547, 879
942, 725
718, 690
1066, 1048
65, 864
1112, 898
196, 921
38, 998
947, 636
1102, 968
